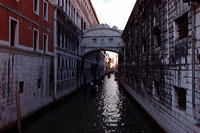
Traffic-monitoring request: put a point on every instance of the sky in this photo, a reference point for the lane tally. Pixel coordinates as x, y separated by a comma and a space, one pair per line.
113, 12
111, 54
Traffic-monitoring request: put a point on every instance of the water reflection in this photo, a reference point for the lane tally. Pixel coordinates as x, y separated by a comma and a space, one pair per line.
108, 111
111, 103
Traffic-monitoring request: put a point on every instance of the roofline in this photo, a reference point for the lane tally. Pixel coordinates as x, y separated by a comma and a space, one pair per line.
93, 29
94, 11
132, 14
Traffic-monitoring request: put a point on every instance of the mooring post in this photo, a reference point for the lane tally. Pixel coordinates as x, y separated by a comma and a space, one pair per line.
18, 109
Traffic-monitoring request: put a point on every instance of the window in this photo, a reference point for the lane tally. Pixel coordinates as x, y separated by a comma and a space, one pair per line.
69, 45
45, 13
14, 30
72, 11
63, 40
102, 42
94, 40
69, 63
58, 61
63, 62
69, 8
74, 14
144, 12
35, 39
158, 38
45, 43
180, 98
110, 40
157, 88
66, 5
84, 26
144, 45
66, 41
60, 40
182, 26
77, 16
36, 6
58, 37
66, 63
21, 86
62, 3
39, 82
143, 83
81, 24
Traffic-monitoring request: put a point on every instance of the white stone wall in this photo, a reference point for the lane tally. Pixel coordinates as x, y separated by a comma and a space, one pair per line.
169, 64
197, 100
170, 121
16, 66
102, 37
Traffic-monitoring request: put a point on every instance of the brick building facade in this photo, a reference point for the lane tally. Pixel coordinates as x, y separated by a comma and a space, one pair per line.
161, 62
26, 56
41, 55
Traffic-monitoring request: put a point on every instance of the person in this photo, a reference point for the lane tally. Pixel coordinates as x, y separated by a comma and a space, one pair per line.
91, 83
93, 87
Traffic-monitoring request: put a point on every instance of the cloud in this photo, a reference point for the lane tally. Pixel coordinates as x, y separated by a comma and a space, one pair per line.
114, 12
106, 1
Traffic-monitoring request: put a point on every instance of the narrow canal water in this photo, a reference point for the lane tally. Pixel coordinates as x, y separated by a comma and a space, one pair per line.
109, 110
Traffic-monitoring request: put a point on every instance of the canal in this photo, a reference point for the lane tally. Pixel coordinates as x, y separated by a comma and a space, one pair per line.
110, 110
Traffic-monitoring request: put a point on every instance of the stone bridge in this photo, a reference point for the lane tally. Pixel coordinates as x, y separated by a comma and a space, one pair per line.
102, 38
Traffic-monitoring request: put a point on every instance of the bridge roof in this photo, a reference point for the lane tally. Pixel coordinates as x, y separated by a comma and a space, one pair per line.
102, 30
102, 37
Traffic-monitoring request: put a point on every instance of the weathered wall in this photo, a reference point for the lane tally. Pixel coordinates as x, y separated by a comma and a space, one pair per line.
22, 66
36, 73
71, 19
159, 62
68, 75
102, 37
197, 74
94, 66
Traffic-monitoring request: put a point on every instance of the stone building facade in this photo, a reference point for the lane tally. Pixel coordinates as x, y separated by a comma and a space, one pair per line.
71, 19
102, 37
160, 68
40, 54
26, 58
94, 66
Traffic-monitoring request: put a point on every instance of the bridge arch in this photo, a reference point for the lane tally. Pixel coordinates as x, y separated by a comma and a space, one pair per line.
102, 38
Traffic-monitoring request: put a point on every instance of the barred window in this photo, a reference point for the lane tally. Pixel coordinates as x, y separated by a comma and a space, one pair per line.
157, 88
21, 86
39, 82
94, 40
158, 38
110, 40
180, 98
182, 26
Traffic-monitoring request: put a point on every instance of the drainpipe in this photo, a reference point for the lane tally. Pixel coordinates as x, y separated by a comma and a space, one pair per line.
193, 8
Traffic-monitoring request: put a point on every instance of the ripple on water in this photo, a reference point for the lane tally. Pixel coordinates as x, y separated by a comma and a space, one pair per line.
109, 111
